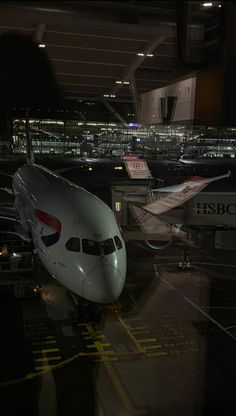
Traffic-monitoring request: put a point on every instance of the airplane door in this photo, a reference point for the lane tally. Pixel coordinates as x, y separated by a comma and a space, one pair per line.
20, 207
40, 232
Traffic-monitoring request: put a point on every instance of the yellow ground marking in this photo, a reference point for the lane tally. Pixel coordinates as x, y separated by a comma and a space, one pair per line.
97, 336
45, 359
43, 367
152, 347
147, 340
51, 341
97, 333
119, 388
99, 345
101, 354
96, 353
126, 328
106, 355
92, 333
46, 350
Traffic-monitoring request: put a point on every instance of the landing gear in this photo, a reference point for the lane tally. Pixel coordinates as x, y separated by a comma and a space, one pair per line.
87, 311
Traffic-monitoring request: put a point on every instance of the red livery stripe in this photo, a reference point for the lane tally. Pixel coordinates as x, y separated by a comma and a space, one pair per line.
49, 220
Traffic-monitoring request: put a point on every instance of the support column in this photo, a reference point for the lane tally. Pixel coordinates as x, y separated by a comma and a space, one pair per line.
135, 98
228, 58
215, 103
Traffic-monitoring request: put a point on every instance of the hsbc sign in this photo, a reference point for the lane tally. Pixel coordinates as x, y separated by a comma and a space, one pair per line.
215, 208
218, 208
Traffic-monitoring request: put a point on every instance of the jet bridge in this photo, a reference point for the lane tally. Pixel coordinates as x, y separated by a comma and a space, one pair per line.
216, 210
127, 202
205, 208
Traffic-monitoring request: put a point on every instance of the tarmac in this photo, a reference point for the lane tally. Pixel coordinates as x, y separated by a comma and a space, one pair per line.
166, 347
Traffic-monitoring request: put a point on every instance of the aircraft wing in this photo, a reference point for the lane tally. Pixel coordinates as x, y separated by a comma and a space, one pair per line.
9, 214
67, 169
180, 194
10, 223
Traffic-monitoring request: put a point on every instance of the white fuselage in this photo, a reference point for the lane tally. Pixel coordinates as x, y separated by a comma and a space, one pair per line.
74, 233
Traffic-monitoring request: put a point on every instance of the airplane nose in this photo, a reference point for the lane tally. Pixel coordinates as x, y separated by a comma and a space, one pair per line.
103, 284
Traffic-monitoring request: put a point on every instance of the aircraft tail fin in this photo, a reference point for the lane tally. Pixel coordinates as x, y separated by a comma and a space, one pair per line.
30, 154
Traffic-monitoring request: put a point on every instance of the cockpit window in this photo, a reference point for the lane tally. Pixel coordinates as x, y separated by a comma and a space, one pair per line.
118, 242
73, 244
90, 247
97, 248
108, 246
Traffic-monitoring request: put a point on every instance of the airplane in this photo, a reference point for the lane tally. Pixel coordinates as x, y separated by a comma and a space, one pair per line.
74, 233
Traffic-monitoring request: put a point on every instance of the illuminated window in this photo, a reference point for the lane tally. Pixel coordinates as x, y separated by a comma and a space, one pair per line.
118, 206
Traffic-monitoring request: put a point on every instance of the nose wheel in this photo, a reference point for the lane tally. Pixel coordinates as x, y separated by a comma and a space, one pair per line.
86, 311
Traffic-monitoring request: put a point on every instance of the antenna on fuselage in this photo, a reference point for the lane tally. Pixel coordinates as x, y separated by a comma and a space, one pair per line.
30, 154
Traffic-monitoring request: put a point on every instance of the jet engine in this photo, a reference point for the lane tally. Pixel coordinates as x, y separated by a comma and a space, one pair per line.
174, 231
158, 244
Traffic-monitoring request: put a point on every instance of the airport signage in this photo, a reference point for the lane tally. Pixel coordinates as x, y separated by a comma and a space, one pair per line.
218, 208
213, 208
205, 208
137, 168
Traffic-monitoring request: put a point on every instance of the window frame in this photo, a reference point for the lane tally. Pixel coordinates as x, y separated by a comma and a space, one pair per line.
73, 238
